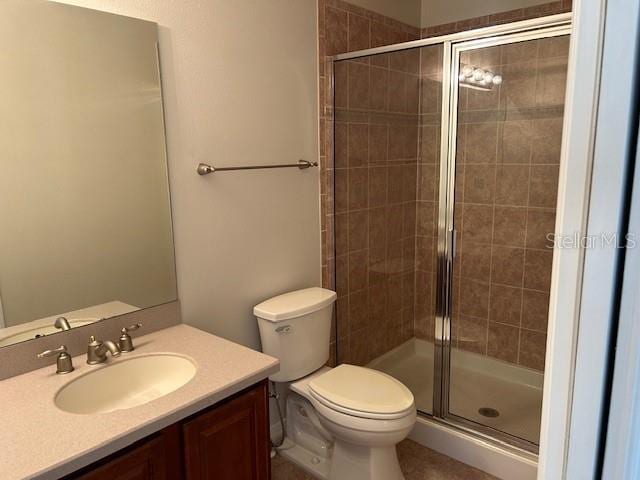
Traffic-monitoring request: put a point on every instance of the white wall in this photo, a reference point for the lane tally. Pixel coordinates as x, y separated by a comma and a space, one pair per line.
437, 12
407, 11
240, 87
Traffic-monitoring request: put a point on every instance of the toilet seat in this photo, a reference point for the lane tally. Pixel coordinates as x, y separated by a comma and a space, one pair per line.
362, 392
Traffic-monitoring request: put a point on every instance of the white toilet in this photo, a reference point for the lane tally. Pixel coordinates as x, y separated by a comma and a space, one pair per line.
343, 423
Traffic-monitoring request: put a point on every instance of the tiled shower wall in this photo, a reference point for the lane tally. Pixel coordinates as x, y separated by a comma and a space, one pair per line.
384, 269
508, 151
428, 190
375, 209
376, 130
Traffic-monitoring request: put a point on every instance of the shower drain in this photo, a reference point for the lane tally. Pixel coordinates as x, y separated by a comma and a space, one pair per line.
488, 412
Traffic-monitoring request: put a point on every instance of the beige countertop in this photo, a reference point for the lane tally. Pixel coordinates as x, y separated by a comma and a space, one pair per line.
40, 441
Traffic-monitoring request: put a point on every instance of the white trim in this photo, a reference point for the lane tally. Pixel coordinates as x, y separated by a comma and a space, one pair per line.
622, 455
573, 188
614, 139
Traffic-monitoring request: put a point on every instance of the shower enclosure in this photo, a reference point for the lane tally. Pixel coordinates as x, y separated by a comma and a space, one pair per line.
445, 169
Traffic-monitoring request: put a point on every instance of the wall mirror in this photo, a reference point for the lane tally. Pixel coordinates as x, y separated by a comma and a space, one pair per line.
85, 218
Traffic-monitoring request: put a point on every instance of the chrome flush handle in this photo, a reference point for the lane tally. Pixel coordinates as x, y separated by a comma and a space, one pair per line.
125, 342
64, 363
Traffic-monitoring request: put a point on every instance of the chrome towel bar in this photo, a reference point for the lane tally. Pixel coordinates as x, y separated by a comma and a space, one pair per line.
204, 169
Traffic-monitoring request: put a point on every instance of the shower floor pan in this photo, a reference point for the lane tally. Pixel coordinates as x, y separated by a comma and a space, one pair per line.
478, 384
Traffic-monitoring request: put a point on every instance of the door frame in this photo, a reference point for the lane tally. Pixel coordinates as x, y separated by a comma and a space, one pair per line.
612, 143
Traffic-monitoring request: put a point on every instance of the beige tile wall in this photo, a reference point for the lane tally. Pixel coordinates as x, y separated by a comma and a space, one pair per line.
370, 224
428, 190
506, 187
380, 263
508, 151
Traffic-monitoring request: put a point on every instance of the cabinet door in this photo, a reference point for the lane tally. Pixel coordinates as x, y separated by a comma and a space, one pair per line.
231, 441
155, 458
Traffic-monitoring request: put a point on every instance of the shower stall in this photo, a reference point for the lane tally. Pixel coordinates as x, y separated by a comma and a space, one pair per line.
446, 153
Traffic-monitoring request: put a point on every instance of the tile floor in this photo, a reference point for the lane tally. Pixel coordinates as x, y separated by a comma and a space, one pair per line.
417, 462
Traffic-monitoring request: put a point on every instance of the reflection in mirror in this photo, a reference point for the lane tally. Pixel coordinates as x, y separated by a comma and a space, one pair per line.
84, 211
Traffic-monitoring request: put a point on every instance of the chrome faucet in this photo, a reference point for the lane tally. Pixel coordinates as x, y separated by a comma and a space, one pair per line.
97, 350
64, 363
62, 323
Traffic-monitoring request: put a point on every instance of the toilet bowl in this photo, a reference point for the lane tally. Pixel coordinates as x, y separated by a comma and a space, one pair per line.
367, 413
362, 413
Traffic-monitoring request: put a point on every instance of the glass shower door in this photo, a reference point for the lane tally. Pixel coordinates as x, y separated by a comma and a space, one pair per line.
507, 102
387, 125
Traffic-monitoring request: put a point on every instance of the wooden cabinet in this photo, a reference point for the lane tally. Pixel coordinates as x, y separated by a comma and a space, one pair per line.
157, 457
229, 441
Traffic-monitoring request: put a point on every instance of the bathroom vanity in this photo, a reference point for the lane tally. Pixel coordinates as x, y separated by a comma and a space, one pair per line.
227, 441
213, 426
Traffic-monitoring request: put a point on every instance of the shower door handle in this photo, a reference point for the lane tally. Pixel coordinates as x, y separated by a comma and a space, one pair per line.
453, 242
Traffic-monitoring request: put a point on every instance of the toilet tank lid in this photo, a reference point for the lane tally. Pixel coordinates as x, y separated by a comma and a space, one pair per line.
294, 304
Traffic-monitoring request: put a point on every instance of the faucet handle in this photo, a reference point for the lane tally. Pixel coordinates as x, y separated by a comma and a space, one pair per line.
64, 363
131, 328
49, 353
125, 342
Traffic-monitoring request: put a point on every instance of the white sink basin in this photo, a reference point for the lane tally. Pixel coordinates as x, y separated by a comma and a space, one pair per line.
125, 384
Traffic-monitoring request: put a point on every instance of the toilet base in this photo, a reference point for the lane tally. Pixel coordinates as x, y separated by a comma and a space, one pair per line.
356, 462
352, 462
313, 464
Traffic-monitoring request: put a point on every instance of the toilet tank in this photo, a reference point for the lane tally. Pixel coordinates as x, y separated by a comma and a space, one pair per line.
295, 328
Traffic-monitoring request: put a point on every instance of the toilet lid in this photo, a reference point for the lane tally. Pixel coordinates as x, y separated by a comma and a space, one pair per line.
362, 390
